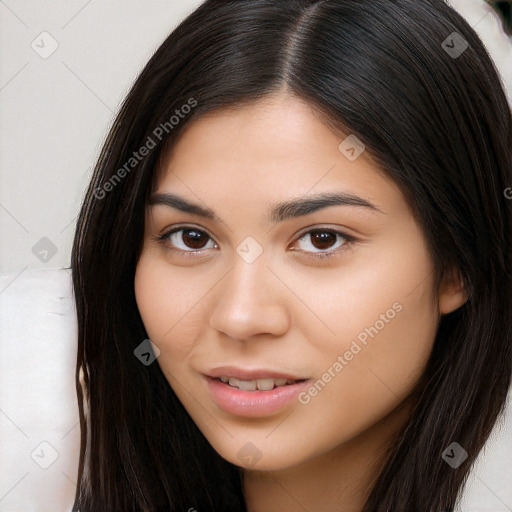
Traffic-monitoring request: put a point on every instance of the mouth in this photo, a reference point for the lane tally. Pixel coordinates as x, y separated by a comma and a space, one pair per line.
253, 394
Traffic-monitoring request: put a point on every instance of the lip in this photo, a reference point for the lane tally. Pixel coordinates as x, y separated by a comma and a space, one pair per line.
253, 404
249, 374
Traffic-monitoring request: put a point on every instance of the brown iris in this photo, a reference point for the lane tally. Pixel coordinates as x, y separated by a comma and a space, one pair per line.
194, 239
322, 239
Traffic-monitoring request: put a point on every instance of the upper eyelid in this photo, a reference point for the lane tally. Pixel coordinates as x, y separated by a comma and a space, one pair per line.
315, 227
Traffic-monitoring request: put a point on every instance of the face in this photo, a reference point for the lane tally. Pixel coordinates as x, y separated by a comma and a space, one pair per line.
285, 283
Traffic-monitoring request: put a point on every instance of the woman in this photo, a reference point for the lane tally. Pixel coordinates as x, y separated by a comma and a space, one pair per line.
303, 205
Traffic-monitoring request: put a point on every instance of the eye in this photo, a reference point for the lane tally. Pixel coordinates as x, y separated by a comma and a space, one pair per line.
324, 242
317, 243
188, 239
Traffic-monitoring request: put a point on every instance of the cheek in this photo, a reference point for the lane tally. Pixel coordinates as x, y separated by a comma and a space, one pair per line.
382, 290
163, 298
169, 303
151, 298
385, 322
371, 378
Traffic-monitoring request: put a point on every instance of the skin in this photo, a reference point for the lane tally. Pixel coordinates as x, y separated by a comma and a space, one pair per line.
287, 310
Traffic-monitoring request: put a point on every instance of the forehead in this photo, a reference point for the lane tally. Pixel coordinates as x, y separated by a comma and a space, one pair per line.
264, 152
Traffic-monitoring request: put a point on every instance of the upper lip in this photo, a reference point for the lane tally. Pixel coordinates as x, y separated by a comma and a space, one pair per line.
250, 374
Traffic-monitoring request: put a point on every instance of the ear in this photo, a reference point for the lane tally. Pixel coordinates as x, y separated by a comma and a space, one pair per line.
452, 292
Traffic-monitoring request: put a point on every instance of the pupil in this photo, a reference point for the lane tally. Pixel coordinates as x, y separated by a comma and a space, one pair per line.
193, 238
323, 240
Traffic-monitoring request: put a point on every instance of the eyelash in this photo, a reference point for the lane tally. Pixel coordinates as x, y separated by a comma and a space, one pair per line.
349, 240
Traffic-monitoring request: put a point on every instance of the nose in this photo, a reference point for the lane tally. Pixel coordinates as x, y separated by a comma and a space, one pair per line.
250, 301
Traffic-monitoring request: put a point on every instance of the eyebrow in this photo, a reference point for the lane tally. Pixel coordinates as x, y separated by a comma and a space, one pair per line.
279, 212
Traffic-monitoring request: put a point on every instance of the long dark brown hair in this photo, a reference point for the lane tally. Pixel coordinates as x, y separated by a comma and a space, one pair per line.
437, 123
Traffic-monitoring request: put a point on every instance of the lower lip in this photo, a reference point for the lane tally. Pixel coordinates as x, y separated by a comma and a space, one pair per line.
253, 404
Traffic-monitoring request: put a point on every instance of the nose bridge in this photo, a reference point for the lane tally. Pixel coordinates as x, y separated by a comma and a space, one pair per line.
249, 282
249, 301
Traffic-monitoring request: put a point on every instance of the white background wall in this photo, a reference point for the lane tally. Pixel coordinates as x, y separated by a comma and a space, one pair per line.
55, 112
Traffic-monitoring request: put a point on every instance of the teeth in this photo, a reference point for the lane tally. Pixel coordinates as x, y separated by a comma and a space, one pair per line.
265, 384
247, 385
257, 384
244, 385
